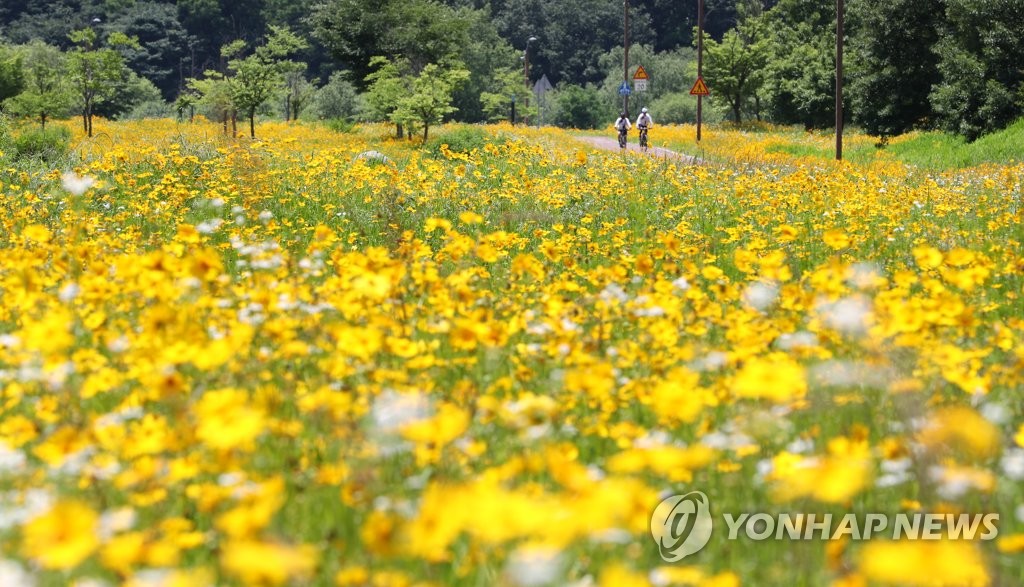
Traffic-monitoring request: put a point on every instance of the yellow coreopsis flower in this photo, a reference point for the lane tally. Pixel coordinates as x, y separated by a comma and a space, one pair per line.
778, 378
228, 420
63, 537
265, 563
924, 563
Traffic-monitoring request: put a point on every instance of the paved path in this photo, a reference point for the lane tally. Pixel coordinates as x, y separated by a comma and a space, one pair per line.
612, 144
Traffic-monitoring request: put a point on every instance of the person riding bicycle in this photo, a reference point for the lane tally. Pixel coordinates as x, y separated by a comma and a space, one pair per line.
622, 125
644, 122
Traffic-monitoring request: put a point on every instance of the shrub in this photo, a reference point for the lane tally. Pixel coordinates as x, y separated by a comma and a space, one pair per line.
338, 98
459, 140
579, 107
49, 145
341, 125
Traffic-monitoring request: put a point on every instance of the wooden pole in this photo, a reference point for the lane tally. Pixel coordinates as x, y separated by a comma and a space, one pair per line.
839, 79
625, 54
700, 62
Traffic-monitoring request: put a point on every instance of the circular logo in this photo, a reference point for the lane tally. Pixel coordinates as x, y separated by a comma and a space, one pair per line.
681, 525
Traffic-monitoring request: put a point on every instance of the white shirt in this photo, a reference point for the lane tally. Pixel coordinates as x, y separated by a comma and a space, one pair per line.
622, 123
644, 120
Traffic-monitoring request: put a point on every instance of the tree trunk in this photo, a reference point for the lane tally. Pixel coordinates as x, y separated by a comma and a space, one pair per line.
42, 119
234, 124
288, 108
252, 123
399, 133
89, 118
736, 106
426, 127
225, 123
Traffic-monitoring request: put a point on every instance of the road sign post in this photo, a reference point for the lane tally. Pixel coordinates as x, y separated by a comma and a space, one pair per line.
700, 62
640, 79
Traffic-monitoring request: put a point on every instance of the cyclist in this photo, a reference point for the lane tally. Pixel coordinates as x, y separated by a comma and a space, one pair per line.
644, 122
622, 125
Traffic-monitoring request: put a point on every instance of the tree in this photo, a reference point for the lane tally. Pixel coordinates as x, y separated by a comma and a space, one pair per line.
580, 107
431, 96
95, 71
163, 43
979, 62
12, 76
801, 44
214, 92
338, 98
735, 67
298, 93
418, 31
895, 65
507, 85
388, 84
259, 75
46, 91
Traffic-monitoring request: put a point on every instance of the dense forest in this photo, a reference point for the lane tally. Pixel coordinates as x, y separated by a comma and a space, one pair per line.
948, 64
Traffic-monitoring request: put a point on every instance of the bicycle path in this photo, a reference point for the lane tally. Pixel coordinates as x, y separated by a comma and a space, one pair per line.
612, 144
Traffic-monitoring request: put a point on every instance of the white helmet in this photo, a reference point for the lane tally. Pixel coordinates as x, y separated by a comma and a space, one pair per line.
643, 110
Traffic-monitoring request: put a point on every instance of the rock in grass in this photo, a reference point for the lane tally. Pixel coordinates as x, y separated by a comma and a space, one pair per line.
374, 157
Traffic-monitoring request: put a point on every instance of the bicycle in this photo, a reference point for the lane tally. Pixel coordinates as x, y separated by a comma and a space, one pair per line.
643, 139
622, 138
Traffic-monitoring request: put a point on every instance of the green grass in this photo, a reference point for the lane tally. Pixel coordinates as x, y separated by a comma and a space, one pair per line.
935, 150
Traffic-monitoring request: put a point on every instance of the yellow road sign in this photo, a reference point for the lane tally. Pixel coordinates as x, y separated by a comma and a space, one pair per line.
641, 73
700, 88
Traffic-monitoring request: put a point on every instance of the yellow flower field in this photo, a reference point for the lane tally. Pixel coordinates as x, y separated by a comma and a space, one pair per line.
274, 362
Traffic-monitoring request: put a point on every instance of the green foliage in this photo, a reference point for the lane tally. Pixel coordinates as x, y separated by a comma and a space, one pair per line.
581, 107
936, 150
338, 98
12, 77
46, 92
670, 71
801, 68
894, 66
980, 57
679, 108
163, 47
505, 84
95, 72
49, 144
388, 83
417, 31
734, 68
430, 96
256, 77
463, 139
340, 125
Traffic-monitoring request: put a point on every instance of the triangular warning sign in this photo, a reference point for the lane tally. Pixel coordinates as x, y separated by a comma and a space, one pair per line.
699, 88
641, 73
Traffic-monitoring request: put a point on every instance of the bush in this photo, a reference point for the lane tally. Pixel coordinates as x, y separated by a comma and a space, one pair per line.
460, 140
579, 107
338, 98
341, 125
675, 109
50, 144
151, 109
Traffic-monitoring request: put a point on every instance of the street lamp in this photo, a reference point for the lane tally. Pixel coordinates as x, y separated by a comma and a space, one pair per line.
526, 76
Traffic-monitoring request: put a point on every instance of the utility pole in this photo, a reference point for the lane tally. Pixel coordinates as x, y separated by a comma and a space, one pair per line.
625, 54
700, 62
839, 79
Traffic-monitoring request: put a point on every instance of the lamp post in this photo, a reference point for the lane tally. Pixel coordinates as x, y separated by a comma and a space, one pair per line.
526, 77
